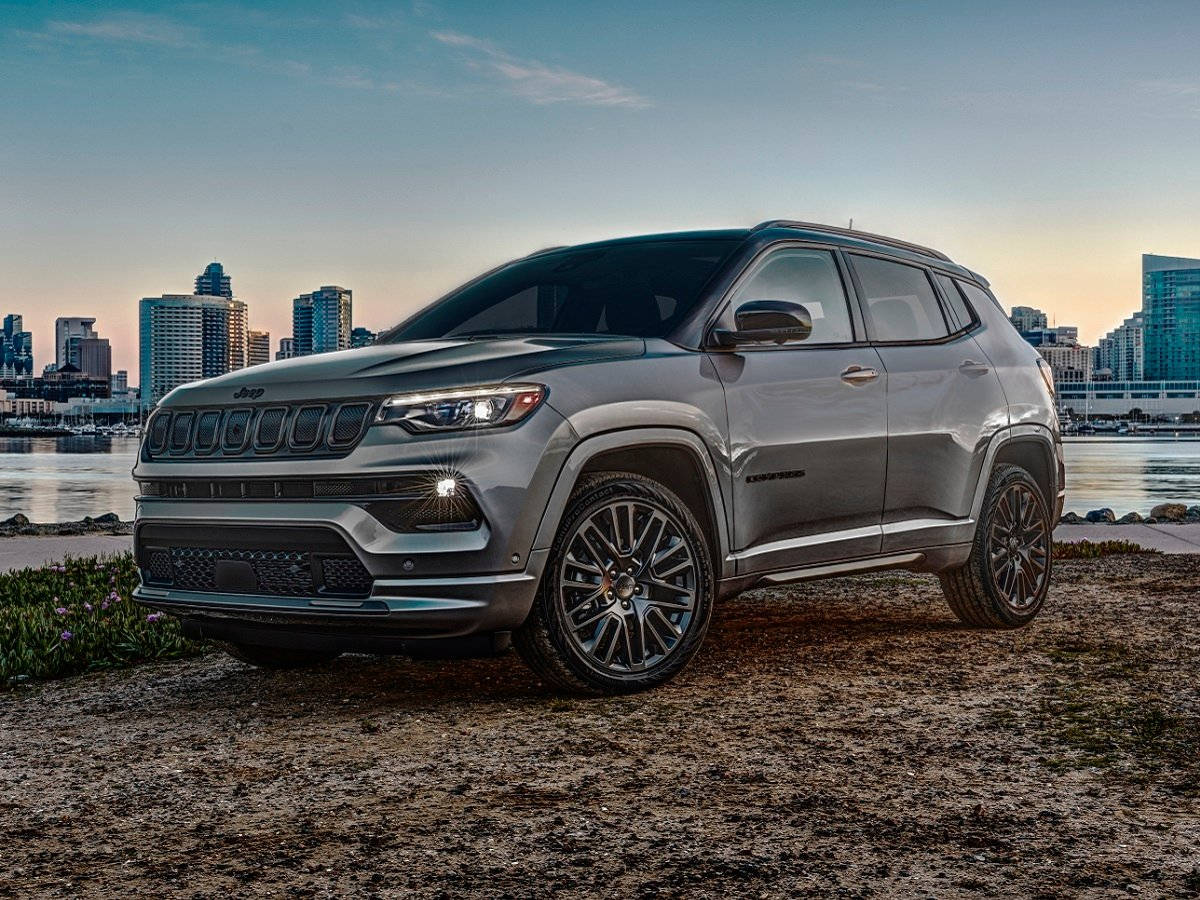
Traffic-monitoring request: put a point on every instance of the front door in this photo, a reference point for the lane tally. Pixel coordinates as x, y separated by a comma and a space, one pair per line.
807, 424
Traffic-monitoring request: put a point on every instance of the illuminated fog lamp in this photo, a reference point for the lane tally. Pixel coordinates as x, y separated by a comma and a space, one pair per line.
446, 487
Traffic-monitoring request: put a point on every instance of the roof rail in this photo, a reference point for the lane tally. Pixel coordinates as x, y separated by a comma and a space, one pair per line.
850, 232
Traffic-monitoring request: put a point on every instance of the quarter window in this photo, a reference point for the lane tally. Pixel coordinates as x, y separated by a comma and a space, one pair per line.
807, 277
899, 301
960, 314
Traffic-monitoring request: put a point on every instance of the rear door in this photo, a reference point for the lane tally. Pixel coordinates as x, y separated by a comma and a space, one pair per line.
944, 401
807, 422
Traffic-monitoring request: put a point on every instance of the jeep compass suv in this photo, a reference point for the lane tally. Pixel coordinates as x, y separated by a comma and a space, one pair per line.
582, 450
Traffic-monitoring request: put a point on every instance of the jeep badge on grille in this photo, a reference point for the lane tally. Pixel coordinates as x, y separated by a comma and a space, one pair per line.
249, 393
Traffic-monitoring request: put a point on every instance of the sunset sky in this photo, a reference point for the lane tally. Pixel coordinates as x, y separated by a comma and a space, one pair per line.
397, 149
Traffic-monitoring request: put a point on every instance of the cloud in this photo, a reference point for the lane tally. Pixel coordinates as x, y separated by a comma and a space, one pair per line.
537, 82
125, 27
1168, 88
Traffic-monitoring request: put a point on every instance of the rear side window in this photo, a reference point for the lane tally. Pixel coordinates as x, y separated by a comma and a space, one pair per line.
978, 295
899, 301
961, 317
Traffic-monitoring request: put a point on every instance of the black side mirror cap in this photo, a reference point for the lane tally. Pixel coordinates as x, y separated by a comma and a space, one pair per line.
766, 321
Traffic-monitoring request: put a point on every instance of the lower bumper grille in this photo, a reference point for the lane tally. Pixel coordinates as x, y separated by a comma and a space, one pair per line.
287, 562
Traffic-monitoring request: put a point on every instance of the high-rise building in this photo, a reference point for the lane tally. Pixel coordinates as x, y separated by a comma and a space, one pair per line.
1171, 315
94, 358
1122, 350
287, 348
16, 348
1068, 363
118, 382
258, 347
213, 282
1026, 318
321, 321
186, 337
68, 332
362, 337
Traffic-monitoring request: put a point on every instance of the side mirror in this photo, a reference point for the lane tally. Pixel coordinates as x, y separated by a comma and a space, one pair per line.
767, 321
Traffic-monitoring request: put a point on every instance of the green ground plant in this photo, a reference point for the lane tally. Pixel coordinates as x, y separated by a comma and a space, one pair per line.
1097, 549
78, 617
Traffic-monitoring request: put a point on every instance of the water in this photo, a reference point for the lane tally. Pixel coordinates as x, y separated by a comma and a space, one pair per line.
65, 479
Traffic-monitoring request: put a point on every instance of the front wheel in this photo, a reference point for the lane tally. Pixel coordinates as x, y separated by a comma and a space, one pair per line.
1005, 580
627, 594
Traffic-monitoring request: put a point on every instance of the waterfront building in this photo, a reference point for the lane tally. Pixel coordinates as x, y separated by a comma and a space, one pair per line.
94, 358
1026, 318
362, 337
187, 337
16, 348
68, 332
119, 382
287, 348
1122, 350
258, 347
321, 321
1131, 400
1171, 314
1069, 363
213, 282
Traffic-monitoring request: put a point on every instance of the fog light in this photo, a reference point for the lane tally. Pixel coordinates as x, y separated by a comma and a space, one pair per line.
447, 487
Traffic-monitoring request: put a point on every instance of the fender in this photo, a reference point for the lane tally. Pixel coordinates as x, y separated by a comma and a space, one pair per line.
1007, 435
623, 439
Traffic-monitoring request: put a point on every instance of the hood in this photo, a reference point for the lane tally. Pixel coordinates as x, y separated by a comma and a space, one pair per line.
380, 370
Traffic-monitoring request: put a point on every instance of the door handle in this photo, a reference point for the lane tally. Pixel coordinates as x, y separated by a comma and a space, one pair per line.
970, 367
859, 374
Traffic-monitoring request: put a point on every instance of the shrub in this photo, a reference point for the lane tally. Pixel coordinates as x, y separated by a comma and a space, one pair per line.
78, 617
1090, 550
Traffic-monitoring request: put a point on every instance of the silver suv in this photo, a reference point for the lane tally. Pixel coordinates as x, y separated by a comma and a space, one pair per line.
581, 451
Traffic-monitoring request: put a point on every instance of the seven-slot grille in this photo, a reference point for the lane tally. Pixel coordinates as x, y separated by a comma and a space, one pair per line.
308, 429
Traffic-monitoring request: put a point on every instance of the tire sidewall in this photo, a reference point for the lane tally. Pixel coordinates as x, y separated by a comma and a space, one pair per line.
1002, 480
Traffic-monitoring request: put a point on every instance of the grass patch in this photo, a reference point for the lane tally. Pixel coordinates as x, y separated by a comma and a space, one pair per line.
1144, 731
78, 617
1095, 550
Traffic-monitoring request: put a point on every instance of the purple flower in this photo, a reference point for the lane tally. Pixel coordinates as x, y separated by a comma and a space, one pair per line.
88, 607
66, 635
61, 610
104, 605
153, 617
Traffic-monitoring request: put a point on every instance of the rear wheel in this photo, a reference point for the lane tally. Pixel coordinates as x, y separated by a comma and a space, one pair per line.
279, 657
627, 594
1005, 580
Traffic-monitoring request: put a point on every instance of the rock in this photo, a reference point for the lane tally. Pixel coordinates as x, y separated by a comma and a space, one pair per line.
1193, 512
17, 521
1102, 515
1149, 520
108, 519
1130, 518
1070, 519
1171, 512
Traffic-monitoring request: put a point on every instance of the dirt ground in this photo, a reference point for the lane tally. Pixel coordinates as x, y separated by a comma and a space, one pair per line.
843, 738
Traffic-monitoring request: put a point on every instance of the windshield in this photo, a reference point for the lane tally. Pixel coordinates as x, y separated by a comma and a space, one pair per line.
641, 289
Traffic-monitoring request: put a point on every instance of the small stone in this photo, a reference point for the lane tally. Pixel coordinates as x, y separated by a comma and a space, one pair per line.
1102, 515
1193, 512
17, 521
1129, 518
1149, 520
1171, 512
109, 518
1070, 519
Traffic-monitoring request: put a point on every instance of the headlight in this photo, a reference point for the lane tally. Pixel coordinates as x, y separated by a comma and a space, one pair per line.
462, 409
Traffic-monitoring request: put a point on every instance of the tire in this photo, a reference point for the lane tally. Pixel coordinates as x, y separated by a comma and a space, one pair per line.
1007, 576
279, 657
649, 620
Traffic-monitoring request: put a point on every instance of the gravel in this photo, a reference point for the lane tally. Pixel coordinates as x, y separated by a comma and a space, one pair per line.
840, 738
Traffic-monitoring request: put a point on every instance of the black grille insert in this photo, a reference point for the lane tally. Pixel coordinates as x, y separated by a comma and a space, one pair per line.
206, 431
348, 423
237, 428
282, 562
181, 430
159, 429
270, 428
306, 427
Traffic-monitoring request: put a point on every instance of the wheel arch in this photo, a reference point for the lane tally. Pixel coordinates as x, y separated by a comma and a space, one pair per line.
674, 457
1032, 447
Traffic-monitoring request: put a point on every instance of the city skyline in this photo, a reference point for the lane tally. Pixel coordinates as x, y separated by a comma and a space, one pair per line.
404, 149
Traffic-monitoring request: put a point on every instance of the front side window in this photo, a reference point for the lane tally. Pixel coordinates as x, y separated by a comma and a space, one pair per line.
898, 301
636, 288
807, 277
